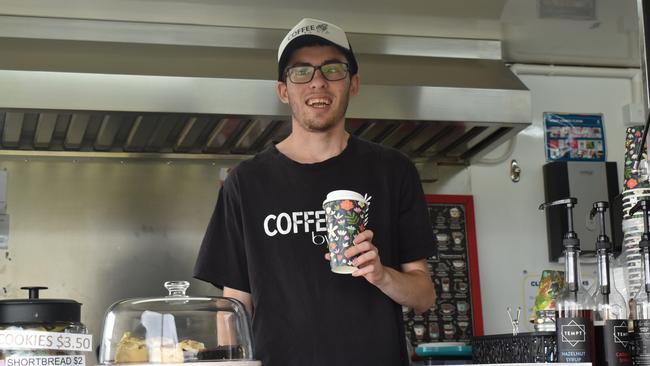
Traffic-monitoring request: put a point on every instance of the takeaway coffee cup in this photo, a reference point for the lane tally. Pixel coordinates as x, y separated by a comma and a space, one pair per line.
346, 213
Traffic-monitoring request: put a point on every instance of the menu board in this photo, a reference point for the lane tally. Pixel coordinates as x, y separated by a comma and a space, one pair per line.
456, 315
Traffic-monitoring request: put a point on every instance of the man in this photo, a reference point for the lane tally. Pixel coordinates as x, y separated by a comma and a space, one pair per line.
267, 238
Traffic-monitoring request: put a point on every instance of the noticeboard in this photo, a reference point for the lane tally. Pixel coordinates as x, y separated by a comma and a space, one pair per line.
574, 137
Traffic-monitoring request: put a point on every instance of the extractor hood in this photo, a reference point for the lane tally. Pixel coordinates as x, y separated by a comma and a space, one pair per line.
437, 100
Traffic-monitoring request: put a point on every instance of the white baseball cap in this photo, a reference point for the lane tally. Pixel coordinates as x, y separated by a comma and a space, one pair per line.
309, 31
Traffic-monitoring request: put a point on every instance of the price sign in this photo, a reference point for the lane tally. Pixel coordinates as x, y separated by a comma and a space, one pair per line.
76, 360
16, 339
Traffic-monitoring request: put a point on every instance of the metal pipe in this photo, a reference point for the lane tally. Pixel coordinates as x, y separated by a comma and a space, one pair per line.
643, 13
603, 277
646, 269
570, 219
571, 268
577, 71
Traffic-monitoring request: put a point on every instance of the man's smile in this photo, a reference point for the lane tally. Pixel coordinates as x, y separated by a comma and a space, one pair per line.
319, 102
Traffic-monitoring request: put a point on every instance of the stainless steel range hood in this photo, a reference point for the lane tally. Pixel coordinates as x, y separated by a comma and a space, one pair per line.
452, 105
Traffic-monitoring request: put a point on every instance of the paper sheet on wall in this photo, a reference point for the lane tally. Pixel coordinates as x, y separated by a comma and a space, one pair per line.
574, 137
3, 191
4, 231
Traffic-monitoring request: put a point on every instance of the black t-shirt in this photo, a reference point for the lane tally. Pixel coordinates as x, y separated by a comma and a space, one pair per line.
267, 236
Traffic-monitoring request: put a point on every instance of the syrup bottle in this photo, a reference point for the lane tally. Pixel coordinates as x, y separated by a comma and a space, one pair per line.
574, 315
610, 323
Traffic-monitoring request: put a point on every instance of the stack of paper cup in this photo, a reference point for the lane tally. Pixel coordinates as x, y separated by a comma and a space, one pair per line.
632, 231
630, 198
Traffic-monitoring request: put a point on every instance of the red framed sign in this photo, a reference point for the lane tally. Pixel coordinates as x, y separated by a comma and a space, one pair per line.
457, 314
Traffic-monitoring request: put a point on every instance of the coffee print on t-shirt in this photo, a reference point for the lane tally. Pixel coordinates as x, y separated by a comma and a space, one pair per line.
313, 222
295, 222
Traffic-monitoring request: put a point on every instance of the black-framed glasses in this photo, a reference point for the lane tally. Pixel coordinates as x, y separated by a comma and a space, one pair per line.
305, 73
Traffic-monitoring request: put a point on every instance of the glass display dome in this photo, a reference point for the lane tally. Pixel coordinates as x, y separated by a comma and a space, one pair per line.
176, 329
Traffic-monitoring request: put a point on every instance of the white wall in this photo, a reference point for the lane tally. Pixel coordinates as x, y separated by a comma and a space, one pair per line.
512, 242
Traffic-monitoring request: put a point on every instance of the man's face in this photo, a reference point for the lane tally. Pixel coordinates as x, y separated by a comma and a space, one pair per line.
320, 104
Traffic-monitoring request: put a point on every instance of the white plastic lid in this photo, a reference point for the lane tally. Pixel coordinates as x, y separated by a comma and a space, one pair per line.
344, 195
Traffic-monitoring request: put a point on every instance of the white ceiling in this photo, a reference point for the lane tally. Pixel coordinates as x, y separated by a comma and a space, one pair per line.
577, 32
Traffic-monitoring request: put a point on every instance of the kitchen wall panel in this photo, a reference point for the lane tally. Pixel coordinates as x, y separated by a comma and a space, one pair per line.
98, 231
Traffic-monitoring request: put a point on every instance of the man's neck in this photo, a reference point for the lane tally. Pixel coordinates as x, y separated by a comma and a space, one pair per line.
307, 147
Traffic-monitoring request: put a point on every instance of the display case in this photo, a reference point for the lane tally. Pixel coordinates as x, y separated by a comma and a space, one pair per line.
176, 328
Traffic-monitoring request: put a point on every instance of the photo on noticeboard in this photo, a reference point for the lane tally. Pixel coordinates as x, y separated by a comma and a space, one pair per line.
574, 137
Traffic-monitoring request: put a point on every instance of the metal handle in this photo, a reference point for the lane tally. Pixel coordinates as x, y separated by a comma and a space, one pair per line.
645, 206
515, 171
569, 202
33, 290
641, 205
600, 206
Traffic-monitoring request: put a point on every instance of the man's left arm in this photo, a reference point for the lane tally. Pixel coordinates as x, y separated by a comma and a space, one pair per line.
411, 287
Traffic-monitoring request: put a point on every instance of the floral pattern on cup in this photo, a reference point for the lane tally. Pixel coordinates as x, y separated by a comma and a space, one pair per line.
345, 220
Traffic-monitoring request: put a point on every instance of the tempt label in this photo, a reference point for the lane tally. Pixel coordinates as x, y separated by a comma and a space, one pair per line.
574, 339
573, 333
